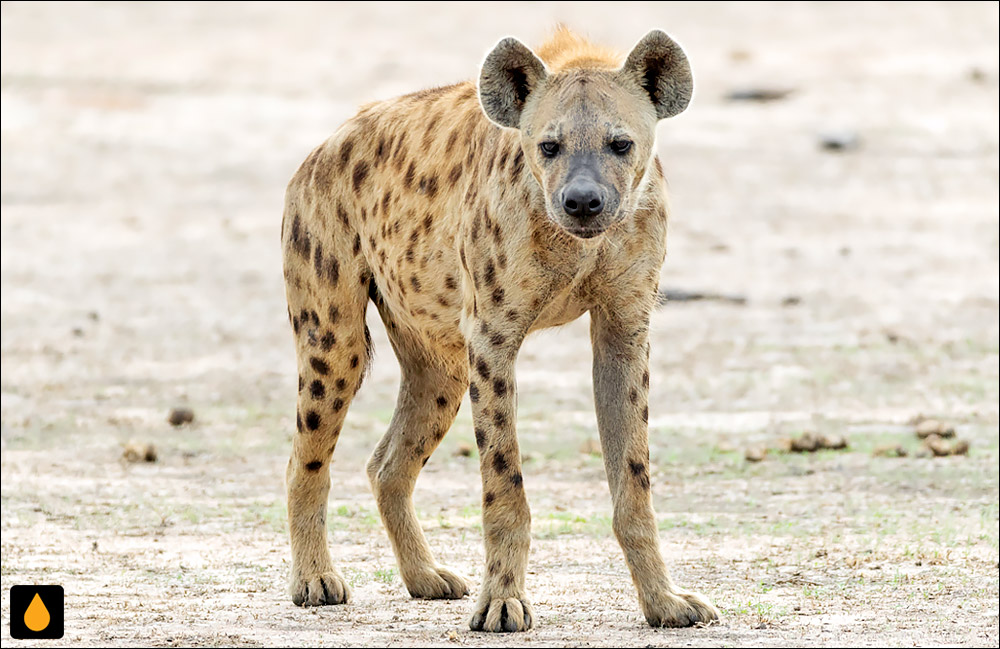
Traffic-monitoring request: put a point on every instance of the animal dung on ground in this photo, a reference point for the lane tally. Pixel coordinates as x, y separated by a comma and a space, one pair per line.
180, 416
890, 450
941, 447
929, 427
810, 442
139, 452
833, 442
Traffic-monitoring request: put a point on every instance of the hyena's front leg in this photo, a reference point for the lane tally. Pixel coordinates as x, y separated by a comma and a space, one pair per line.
621, 389
502, 604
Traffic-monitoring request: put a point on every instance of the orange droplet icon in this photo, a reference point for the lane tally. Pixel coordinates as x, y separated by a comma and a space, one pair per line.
36, 617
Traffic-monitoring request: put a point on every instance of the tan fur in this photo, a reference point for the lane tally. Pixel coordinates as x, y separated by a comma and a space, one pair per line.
567, 50
423, 206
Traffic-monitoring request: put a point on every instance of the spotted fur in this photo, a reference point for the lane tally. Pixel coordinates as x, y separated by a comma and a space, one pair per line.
438, 208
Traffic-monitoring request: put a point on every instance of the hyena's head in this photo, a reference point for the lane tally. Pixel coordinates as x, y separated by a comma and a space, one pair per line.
587, 131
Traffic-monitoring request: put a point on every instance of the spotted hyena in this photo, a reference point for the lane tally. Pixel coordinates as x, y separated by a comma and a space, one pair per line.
472, 215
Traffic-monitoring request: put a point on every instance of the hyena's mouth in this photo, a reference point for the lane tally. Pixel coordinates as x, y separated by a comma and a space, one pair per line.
585, 233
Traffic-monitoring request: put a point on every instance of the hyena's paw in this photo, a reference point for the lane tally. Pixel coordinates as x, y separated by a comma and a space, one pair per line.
319, 590
502, 615
679, 609
436, 582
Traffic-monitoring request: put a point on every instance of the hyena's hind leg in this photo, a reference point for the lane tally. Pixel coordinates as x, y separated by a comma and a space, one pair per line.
326, 301
430, 392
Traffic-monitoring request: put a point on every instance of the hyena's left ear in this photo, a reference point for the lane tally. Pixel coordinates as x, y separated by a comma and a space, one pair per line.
510, 72
660, 67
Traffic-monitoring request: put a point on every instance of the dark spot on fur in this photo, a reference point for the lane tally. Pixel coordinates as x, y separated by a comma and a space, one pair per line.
327, 341
312, 420
354, 361
480, 440
359, 175
345, 154
319, 365
645, 379
473, 392
482, 368
497, 296
298, 421
639, 473
341, 384
317, 390
499, 419
450, 283
315, 465
500, 387
516, 480
488, 498
507, 580
645, 413
411, 172
338, 404
357, 244
302, 383
633, 396
442, 401
490, 274
497, 339
499, 463
456, 171
415, 283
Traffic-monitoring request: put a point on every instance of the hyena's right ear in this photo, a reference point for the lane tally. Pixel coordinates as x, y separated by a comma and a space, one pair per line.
509, 74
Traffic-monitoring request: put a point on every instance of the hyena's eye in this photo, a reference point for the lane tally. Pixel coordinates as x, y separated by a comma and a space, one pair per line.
549, 149
621, 147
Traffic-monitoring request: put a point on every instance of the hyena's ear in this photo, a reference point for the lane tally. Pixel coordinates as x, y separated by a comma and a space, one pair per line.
660, 67
509, 74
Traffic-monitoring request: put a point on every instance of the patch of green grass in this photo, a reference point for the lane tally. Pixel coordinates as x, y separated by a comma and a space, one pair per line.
385, 575
556, 524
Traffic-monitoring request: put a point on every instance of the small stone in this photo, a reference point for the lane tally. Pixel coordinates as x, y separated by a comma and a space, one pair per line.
180, 416
591, 447
758, 94
839, 140
960, 447
755, 454
463, 450
929, 427
139, 452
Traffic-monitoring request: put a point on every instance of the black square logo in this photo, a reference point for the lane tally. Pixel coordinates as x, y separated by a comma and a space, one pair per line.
36, 612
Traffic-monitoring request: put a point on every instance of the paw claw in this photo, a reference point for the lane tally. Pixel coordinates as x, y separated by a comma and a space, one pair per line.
436, 583
320, 590
503, 615
680, 609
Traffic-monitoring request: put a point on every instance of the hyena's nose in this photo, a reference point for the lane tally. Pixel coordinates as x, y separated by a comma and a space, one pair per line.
583, 199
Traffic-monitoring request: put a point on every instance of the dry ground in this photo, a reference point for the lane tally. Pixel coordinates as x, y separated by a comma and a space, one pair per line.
145, 151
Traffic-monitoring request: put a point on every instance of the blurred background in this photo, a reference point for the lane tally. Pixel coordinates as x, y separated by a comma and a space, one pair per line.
833, 259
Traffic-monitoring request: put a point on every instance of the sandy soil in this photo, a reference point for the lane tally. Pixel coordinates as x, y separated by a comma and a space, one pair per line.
145, 150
